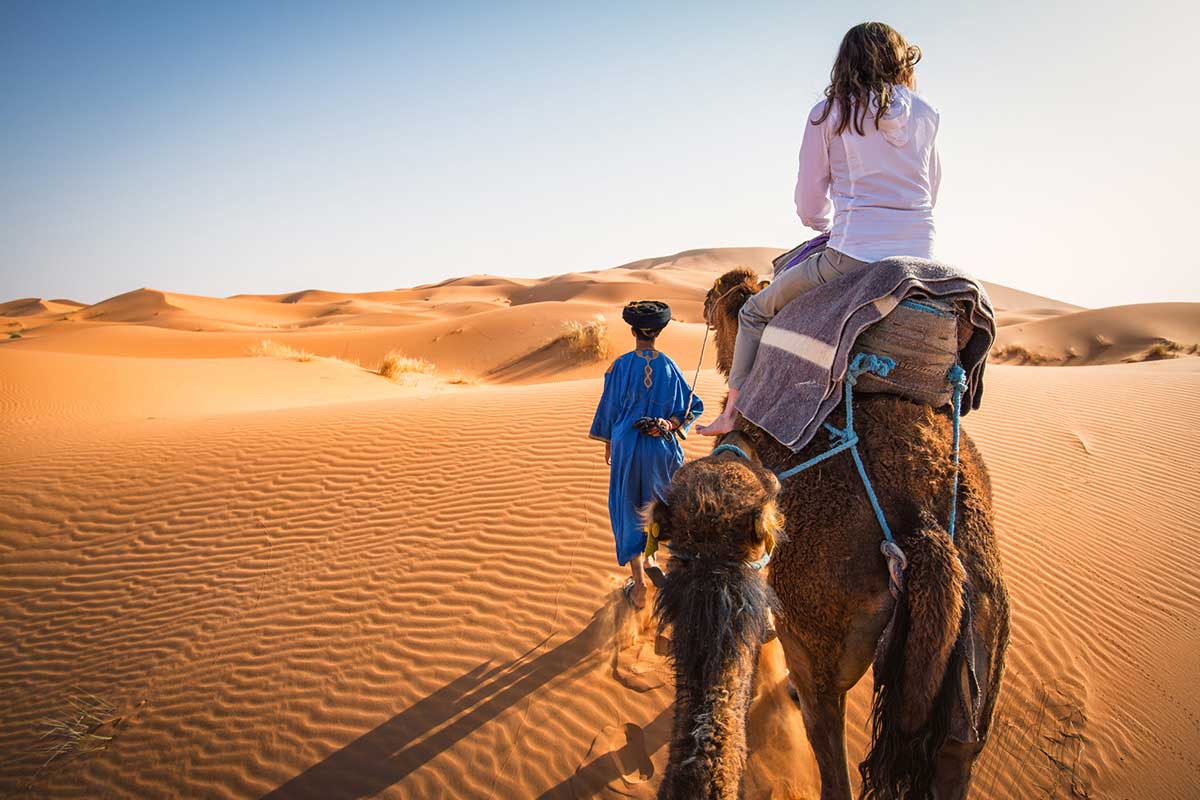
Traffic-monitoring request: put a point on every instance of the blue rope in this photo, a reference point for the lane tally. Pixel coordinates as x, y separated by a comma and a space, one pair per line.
917, 305
958, 379
853, 440
846, 437
729, 448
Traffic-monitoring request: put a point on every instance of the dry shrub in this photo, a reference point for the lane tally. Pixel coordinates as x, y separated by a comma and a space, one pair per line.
396, 364
1019, 354
1164, 349
588, 339
272, 349
458, 379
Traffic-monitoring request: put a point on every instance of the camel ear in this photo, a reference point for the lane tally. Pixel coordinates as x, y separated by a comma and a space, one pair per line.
768, 524
655, 519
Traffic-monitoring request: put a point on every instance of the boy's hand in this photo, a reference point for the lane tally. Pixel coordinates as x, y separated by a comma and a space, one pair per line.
654, 426
608, 453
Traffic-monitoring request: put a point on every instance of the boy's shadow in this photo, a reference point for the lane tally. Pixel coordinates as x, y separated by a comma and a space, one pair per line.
402, 744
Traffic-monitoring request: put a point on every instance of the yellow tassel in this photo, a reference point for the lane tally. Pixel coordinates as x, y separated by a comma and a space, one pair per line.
652, 539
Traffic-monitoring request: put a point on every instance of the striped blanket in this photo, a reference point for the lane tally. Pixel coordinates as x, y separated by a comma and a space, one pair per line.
797, 377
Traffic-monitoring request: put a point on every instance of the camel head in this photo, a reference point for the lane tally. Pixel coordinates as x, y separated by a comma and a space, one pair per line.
721, 306
720, 508
718, 516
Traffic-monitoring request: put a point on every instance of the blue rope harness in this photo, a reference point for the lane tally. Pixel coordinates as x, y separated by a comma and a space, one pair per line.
846, 438
958, 379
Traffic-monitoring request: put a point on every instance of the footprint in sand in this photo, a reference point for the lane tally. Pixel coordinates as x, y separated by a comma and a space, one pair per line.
616, 763
640, 668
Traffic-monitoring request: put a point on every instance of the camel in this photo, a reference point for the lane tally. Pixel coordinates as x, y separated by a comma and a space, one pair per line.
937, 646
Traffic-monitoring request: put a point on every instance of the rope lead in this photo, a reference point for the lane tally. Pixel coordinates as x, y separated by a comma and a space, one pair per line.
958, 379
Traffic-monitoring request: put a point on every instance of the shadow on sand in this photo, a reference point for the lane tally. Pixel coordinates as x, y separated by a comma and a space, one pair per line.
401, 745
549, 359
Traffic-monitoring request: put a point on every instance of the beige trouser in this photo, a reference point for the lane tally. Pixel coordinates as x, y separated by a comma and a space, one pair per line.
813, 271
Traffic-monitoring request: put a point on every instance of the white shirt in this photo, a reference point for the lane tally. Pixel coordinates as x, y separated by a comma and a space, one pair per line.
883, 185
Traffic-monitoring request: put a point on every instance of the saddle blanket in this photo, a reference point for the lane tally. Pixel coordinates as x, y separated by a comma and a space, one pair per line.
801, 363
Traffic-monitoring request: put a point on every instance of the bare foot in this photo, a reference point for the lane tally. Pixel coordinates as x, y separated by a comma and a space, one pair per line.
719, 426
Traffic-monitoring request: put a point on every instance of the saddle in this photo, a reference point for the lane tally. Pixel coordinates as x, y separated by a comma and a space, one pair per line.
923, 336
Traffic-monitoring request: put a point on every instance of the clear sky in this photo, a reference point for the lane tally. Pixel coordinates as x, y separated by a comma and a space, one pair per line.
217, 148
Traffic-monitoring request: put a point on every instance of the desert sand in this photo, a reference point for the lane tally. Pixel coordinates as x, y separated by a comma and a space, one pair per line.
285, 575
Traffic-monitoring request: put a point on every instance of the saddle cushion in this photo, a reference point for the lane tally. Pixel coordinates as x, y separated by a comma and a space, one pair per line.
921, 336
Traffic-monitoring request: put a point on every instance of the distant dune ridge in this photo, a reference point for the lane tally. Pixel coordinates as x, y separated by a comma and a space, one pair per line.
478, 324
265, 569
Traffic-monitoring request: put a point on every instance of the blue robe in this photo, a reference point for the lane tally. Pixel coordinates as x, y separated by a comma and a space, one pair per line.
643, 383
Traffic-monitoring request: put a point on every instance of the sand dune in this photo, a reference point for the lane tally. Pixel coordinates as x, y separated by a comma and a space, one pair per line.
1105, 335
301, 580
475, 324
37, 307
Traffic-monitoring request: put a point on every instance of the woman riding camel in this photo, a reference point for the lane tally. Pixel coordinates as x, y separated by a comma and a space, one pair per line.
869, 175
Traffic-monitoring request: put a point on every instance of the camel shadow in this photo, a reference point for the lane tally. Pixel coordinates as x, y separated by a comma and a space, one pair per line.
591, 778
401, 745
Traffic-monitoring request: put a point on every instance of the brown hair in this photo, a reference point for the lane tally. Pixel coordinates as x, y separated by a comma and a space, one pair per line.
872, 58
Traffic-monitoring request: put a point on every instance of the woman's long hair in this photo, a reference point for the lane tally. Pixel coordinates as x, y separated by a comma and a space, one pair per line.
872, 59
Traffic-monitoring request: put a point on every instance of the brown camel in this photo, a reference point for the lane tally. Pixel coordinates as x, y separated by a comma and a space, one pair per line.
938, 650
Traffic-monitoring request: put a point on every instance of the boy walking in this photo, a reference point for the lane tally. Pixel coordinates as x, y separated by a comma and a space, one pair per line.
644, 410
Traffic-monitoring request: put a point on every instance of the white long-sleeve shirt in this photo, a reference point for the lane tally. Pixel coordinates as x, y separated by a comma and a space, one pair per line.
874, 194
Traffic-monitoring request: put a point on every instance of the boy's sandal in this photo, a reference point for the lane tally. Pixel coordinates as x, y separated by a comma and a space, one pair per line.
627, 590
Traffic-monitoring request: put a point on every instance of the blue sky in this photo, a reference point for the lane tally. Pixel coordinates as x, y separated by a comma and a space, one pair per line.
218, 148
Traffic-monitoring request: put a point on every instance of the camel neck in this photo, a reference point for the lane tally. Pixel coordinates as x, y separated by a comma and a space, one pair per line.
708, 747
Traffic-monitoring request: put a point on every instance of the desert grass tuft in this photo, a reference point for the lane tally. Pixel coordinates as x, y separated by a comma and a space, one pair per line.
395, 365
1164, 349
271, 349
588, 339
1019, 354
78, 731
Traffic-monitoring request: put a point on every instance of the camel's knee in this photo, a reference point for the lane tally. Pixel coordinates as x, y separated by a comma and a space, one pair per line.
952, 770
